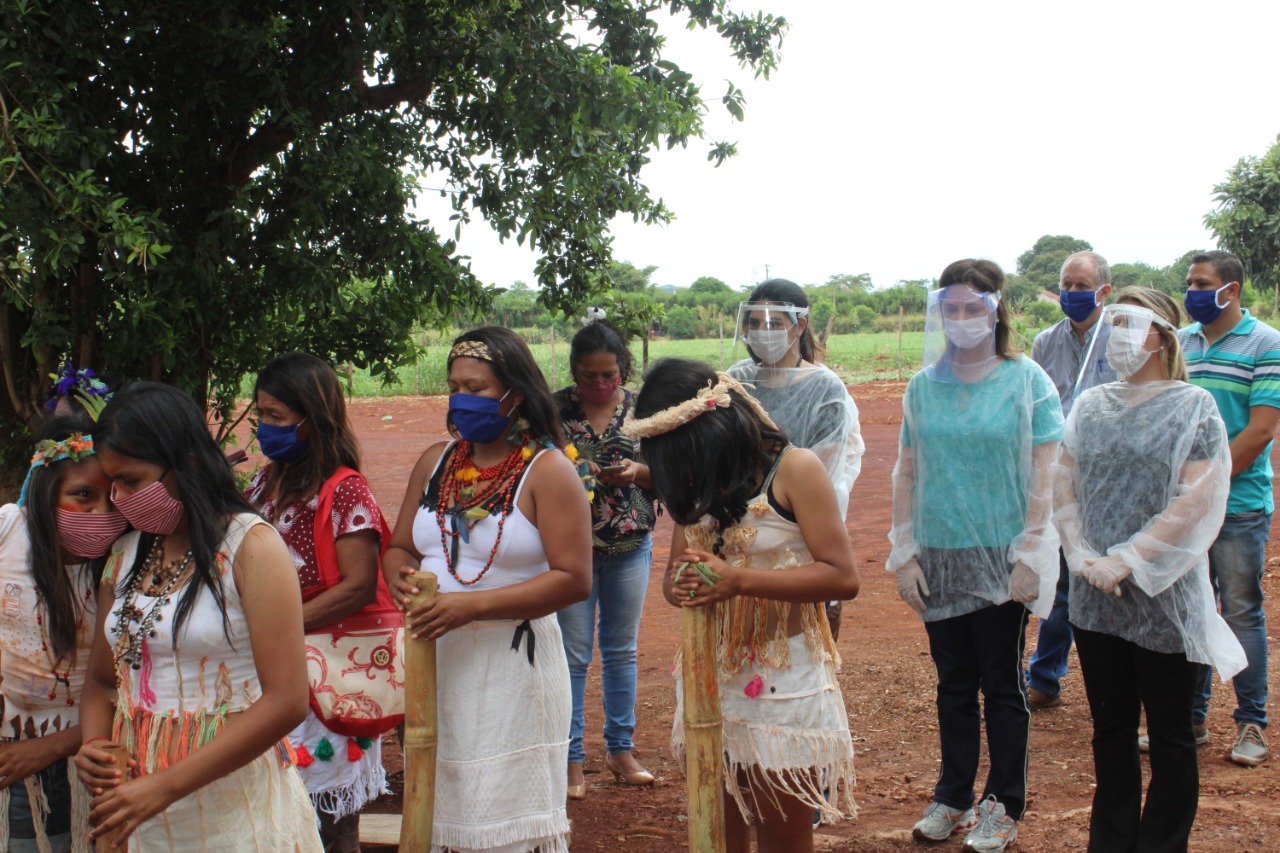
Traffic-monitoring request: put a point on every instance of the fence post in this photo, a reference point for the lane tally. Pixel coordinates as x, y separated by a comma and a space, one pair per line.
902, 309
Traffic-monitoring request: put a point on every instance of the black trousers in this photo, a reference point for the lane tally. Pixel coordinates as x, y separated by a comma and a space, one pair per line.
1121, 679
982, 650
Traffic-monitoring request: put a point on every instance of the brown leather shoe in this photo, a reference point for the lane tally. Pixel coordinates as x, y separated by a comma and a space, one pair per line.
639, 776
1039, 700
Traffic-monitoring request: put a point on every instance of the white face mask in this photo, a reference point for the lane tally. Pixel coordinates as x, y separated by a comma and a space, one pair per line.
967, 334
1126, 349
771, 345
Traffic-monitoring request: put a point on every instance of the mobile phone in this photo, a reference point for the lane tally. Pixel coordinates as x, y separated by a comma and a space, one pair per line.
613, 469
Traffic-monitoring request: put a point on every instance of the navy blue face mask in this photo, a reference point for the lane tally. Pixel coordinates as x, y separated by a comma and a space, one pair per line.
478, 419
1202, 305
1078, 304
281, 443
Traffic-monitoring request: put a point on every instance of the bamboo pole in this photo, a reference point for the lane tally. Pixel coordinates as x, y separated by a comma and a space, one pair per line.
421, 730
702, 735
115, 840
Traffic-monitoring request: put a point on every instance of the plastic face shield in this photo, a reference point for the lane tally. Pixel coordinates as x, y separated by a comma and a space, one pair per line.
959, 327
767, 330
1126, 322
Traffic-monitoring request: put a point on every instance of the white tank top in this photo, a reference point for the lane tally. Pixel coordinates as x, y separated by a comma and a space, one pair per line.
519, 557
203, 673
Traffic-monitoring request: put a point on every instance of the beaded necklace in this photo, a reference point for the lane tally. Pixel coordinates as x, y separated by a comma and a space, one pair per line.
163, 579
64, 677
457, 500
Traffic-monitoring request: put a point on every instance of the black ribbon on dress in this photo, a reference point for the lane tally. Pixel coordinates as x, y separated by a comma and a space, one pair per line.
522, 629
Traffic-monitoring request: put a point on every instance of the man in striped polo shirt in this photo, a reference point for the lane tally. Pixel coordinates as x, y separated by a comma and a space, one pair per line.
1236, 358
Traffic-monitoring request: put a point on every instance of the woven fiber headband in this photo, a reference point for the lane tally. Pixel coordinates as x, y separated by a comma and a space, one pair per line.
714, 396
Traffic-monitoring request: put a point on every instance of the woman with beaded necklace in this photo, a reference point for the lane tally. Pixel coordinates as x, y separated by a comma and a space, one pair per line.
52, 544
503, 522
197, 667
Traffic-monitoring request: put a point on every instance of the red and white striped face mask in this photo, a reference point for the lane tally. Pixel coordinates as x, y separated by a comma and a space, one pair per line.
89, 534
151, 510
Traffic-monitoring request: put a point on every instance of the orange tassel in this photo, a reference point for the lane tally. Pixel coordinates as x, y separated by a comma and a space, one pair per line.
354, 752
304, 758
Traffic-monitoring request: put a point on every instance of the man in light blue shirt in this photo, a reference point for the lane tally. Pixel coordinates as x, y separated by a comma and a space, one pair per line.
1062, 349
1236, 358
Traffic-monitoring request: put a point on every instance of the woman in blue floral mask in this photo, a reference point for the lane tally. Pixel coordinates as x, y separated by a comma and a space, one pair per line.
504, 523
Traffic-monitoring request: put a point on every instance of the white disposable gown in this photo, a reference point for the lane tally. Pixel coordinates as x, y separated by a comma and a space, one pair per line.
973, 482
1143, 478
815, 410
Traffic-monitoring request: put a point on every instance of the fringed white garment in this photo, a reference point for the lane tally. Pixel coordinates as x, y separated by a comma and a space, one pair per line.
339, 786
792, 738
504, 740
784, 722
260, 807
180, 700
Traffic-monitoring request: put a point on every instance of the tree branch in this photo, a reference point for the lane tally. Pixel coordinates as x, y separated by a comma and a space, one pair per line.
274, 137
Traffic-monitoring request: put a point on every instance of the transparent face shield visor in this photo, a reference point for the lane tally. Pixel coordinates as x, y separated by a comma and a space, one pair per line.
767, 331
1125, 344
959, 327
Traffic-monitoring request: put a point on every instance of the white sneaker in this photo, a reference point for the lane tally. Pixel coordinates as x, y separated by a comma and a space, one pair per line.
995, 830
940, 822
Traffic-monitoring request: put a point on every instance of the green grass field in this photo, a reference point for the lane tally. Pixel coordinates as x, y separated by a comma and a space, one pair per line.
860, 357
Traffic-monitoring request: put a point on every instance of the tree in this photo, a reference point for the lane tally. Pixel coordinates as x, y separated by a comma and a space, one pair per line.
860, 282
626, 277
1041, 265
709, 285
1247, 221
185, 195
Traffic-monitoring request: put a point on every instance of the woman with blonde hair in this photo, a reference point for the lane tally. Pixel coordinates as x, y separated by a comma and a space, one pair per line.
1140, 490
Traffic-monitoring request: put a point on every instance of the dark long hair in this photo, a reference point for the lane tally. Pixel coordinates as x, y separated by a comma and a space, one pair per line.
515, 368
780, 290
162, 425
982, 274
712, 465
310, 387
61, 592
601, 336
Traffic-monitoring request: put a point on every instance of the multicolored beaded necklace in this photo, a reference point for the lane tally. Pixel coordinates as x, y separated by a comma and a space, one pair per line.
459, 501
161, 580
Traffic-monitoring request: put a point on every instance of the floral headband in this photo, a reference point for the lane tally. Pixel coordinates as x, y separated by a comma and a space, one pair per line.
712, 397
75, 447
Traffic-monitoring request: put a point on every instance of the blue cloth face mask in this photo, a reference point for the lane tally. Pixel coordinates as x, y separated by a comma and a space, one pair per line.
1202, 305
478, 419
1078, 304
281, 443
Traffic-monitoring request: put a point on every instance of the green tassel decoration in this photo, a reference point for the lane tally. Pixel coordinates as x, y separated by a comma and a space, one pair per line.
324, 750
364, 742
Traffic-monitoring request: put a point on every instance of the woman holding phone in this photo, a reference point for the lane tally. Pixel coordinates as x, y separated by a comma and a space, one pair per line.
622, 514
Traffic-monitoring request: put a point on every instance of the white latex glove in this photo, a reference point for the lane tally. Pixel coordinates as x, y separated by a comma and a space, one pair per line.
1024, 583
1106, 573
911, 585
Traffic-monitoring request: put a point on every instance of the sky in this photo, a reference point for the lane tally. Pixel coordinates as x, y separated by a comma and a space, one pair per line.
897, 137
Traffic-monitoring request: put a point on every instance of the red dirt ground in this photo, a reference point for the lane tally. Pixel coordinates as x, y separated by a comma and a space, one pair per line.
887, 678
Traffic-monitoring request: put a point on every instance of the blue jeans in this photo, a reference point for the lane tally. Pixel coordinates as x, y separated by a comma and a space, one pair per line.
618, 585
1236, 559
1053, 644
57, 827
